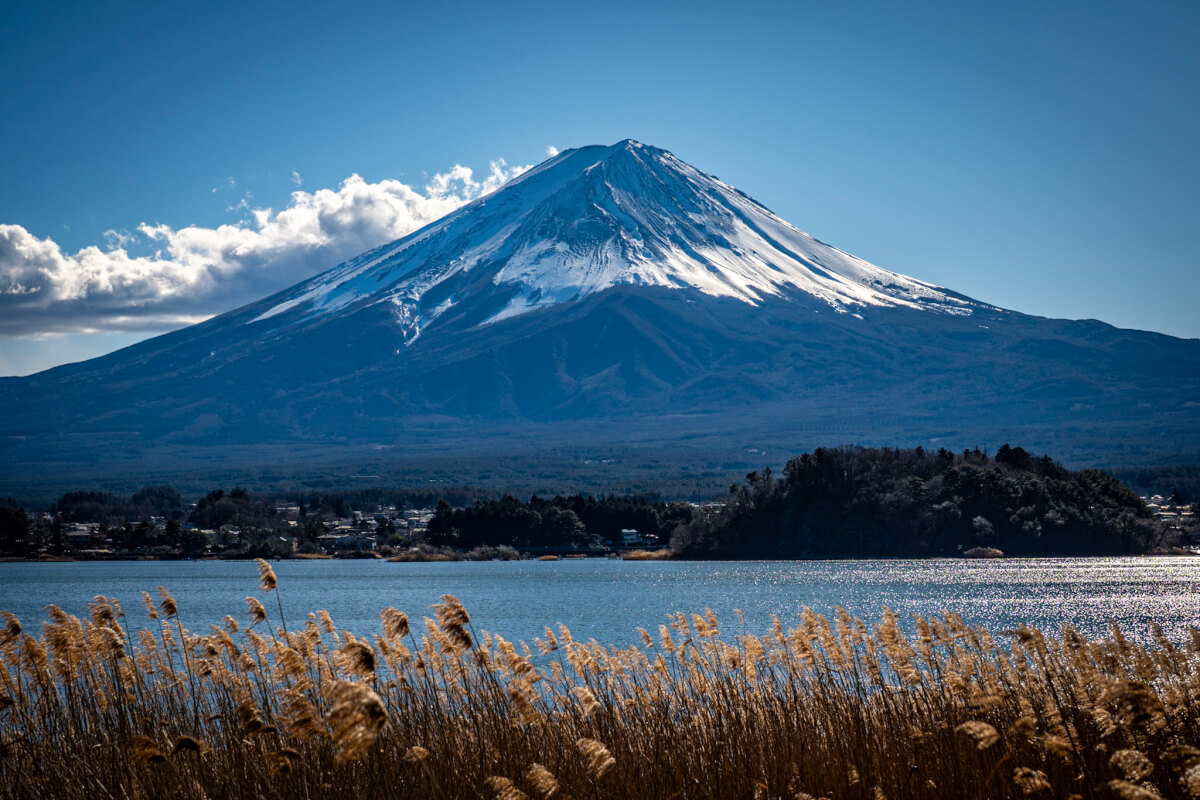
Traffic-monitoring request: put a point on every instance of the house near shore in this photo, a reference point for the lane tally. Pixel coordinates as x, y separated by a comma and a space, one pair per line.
80, 534
631, 537
1168, 511
346, 541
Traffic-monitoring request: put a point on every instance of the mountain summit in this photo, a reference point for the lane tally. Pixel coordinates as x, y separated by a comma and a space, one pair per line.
611, 299
590, 219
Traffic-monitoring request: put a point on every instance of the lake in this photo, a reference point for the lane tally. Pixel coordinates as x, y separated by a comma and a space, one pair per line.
608, 599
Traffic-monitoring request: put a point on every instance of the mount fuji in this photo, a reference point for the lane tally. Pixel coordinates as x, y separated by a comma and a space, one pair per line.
593, 219
610, 299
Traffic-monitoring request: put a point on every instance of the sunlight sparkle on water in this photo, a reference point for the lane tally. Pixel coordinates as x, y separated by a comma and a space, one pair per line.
609, 600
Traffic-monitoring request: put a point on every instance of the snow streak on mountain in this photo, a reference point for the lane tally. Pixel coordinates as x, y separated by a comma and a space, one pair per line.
593, 218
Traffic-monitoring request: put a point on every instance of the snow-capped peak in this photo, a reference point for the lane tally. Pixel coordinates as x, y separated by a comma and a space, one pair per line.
596, 217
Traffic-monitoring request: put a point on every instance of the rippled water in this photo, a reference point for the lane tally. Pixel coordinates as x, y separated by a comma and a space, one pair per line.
609, 600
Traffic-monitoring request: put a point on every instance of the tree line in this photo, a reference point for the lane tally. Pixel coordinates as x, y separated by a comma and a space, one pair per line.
1178, 484
576, 522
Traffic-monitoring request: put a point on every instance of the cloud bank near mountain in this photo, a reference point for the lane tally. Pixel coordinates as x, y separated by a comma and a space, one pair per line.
188, 274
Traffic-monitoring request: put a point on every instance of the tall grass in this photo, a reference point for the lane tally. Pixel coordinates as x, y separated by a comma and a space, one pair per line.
97, 708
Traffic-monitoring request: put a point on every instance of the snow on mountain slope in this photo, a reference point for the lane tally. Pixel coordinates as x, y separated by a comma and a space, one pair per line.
590, 219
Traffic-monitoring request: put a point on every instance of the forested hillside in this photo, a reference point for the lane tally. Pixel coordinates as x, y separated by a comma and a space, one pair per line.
865, 502
577, 522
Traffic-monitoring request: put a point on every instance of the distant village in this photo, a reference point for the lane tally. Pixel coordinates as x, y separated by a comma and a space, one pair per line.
1178, 518
379, 533
235, 525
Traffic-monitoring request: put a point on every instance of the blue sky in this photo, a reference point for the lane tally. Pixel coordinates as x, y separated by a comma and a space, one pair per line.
1038, 156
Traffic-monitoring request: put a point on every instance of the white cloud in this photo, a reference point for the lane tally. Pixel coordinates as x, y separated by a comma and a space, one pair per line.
196, 272
115, 239
243, 204
551, 151
296, 179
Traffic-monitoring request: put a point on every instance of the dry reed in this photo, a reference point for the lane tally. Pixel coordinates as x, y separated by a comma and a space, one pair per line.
824, 708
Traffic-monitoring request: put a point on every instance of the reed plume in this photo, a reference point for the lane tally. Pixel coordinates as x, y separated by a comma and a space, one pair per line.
356, 719
599, 759
544, 784
415, 754
357, 659
12, 628
255, 610
505, 789
266, 576
167, 603
188, 744
453, 620
142, 750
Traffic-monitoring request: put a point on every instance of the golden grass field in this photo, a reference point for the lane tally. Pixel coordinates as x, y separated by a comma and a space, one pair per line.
282, 708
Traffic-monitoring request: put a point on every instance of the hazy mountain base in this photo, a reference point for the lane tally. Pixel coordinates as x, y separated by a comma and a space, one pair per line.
671, 458
649, 390
622, 355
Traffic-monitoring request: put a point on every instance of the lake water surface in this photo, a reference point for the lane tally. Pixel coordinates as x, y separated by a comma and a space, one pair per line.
608, 600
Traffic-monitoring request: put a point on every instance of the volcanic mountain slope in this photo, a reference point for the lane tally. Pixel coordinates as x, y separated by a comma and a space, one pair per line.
589, 220
611, 292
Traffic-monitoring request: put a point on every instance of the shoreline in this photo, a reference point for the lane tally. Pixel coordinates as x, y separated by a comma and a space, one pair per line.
459, 558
